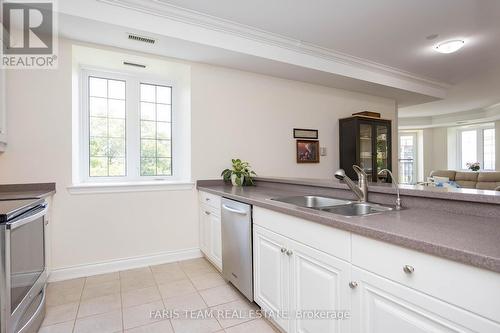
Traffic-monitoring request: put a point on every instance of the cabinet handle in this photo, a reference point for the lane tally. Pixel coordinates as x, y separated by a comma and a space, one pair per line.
408, 269
289, 252
207, 199
208, 213
283, 250
353, 284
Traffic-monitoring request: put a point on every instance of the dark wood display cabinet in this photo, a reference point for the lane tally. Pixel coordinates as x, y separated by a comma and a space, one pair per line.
366, 142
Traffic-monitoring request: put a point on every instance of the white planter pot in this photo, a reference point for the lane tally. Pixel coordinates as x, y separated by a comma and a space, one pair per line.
233, 180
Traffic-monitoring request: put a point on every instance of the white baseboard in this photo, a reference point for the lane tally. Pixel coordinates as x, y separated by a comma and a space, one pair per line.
122, 264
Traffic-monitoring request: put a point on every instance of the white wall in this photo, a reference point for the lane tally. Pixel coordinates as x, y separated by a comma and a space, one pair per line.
234, 114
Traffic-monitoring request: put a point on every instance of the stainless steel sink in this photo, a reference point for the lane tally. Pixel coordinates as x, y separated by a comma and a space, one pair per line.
357, 209
312, 201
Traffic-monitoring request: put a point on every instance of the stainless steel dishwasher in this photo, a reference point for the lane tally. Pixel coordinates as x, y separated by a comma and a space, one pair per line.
237, 245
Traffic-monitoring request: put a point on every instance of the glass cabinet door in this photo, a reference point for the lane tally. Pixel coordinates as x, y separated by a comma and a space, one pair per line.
365, 147
382, 150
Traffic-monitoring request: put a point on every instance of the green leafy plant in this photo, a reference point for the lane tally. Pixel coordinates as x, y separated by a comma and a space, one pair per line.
240, 169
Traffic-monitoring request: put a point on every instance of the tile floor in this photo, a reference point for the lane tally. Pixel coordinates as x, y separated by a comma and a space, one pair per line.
125, 301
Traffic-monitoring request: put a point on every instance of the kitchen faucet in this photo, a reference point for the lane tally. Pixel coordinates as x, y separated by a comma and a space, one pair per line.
395, 184
360, 190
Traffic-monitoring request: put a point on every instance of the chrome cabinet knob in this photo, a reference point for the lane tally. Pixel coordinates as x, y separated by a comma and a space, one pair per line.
353, 284
408, 269
289, 252
283, 250
208, 213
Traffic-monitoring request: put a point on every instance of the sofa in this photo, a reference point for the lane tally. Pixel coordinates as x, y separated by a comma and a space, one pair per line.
482, 180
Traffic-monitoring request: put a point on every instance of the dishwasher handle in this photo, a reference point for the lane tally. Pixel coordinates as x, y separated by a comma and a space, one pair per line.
233, 210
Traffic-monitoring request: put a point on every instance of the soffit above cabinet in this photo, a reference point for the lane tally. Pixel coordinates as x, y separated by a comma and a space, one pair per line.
194, 36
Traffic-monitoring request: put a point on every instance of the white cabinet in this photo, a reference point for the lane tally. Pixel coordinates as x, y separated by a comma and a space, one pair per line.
380, 306
204, 229
319, 282
3, 111
302, 266
295, 282
271, 274
210, 228
215, 249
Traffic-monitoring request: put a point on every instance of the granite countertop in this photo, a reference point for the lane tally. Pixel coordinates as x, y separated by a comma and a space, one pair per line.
26, 191
471, 240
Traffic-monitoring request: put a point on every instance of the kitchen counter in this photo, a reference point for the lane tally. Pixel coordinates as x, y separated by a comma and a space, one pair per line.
26, 191
472, 240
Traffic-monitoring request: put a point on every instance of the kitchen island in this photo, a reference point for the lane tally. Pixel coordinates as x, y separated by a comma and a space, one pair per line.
434, 264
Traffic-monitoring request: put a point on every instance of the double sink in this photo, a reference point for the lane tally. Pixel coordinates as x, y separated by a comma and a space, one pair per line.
335, 206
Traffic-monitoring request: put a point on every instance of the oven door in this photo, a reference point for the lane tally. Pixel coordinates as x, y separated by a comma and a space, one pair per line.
24, 262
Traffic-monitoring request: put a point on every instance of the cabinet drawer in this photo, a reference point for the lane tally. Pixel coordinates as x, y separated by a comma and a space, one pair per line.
466, 286
209, 210
211, 200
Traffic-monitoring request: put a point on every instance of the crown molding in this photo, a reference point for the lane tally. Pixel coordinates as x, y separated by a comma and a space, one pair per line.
161, 8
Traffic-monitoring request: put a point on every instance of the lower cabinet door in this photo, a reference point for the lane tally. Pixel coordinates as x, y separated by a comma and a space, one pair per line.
271, 266
319, 292
205, 230
216, 240
380, 306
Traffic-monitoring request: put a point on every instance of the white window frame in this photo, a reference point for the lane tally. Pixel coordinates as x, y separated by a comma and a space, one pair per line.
132, 128
479, 142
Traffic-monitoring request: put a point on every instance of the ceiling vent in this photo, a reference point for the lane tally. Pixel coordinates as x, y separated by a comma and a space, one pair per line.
141, 39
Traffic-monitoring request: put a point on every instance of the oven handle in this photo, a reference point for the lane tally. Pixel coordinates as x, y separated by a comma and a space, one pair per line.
40, 212
36, 314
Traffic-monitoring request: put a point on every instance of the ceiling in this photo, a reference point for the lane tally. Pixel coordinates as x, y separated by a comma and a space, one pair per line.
389, 32
374, 47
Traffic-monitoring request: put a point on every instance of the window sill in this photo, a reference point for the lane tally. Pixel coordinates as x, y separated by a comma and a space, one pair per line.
148, 186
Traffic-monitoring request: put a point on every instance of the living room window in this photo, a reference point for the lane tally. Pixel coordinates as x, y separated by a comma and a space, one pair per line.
477, 144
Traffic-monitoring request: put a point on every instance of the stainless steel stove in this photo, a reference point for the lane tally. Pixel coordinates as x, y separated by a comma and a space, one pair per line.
23, 273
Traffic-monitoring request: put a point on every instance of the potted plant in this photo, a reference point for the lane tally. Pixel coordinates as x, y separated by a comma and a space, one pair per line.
240, 174
473, 166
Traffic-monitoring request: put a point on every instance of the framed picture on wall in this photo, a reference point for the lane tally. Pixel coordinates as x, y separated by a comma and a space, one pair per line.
307, 151
303, 133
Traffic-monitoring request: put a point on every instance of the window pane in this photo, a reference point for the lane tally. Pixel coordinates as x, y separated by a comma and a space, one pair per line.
148, 111
116, 147
98, 126
116, 128
116, 89
98, 87
164, 148
98, 107
489, 149
163, 95
148, 93
469, 148
148, 129
163, 130
107, 146
148, 167
98, 146
148, 148
117, 166
116, 108
156, 132
164, 167
98, 166
163, 112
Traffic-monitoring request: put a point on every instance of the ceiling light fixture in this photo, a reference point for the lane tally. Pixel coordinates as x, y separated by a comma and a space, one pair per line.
449, 46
